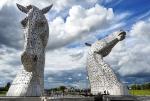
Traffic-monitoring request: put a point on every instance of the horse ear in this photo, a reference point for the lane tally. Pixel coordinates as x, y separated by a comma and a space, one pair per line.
22, 8
87, 44
46, 9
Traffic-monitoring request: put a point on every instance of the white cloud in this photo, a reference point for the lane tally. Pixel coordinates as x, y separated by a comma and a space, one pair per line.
122, 16
59, 5
141, 29
65, 59
69, 78
79, 74
130, 57
79, 24
86, 20
40, 3
2, 3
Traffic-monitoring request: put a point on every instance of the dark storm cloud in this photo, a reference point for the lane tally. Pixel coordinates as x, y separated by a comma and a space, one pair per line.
66, 77
133, 80
72, 77
11, 34
141, 74
78, 77
9, 63
7, 53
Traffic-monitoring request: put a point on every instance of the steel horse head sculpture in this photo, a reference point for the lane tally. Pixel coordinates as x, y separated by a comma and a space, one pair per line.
30, 80
101, 76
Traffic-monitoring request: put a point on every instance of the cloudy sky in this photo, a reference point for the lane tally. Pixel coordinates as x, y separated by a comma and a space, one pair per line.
71, 24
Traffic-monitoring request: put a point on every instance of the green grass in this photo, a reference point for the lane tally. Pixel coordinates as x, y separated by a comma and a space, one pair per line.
139, 92
132, 92
3, 93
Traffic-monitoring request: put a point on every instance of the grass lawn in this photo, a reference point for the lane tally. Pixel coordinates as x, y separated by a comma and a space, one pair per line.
139, 92
3, 93
132, 92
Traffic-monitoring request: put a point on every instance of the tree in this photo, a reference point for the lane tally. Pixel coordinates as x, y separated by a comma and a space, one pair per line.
138, 87
133, 87
7, 86
147, 85
144, 86
62, 88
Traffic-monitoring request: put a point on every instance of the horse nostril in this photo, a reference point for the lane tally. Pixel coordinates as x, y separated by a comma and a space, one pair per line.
124, 33
41, 23
35, 58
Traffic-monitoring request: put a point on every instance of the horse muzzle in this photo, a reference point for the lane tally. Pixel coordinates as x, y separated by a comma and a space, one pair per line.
29, 61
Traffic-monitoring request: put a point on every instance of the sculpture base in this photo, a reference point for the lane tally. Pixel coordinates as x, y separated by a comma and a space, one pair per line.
119, 98
105, 98
20, 98
46, 98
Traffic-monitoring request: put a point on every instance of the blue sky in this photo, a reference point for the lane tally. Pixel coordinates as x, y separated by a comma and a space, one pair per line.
71, 24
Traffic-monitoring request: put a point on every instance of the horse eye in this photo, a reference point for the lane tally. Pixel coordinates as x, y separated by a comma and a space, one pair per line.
24, 22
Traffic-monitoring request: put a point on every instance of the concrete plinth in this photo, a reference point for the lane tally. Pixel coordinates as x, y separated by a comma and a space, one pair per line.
105, 98
20, 98
46, 98
72, 99
119, 98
